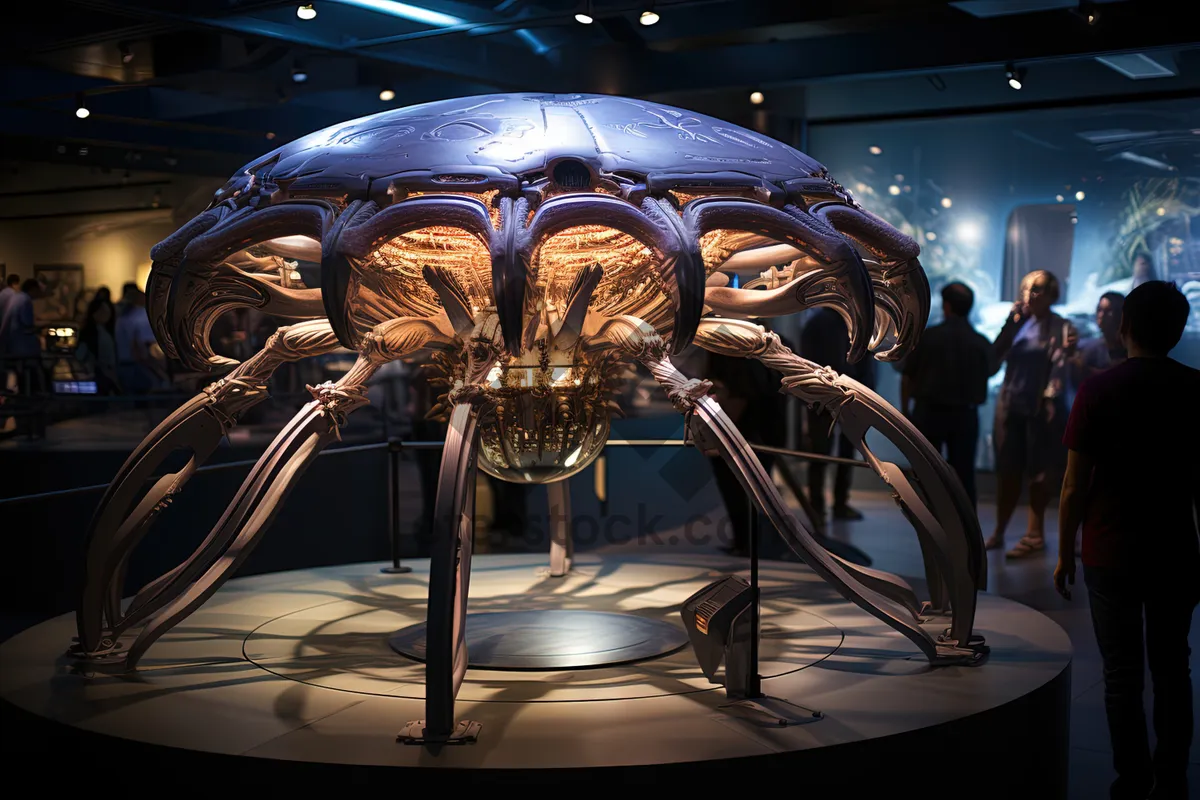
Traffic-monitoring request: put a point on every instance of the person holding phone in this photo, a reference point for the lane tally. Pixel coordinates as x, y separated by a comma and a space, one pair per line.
1035, 346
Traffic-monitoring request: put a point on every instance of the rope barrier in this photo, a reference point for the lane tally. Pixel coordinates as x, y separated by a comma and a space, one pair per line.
431, 445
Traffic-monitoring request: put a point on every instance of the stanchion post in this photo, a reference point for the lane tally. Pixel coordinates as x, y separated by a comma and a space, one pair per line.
755, 684
393, 493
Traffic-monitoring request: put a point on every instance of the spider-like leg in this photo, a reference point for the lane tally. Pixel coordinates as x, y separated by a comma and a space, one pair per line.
280, 467
941, 513
453, 536
197, 426
717, 432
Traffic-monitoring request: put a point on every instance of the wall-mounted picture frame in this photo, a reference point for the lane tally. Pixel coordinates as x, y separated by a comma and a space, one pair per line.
61, 292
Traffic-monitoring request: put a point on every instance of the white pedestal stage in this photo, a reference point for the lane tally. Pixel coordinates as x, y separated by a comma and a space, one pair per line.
291, 674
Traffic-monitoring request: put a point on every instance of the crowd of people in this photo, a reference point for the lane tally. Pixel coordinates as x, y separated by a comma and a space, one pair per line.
1109, 426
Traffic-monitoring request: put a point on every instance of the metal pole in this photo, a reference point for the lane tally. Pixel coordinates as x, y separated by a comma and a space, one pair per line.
393, 477
755, 680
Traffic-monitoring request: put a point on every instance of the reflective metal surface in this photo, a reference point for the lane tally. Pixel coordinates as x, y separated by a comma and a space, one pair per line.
553, 640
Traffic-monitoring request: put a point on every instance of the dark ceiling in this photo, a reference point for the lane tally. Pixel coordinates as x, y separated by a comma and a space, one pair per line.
202, 86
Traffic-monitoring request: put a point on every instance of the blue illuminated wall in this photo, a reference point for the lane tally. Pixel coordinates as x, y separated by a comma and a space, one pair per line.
1131, 173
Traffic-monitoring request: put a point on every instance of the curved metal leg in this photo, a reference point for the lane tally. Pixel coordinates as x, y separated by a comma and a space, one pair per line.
562, 547
261, 495
875, 592
198, 426
947, 527
449, 581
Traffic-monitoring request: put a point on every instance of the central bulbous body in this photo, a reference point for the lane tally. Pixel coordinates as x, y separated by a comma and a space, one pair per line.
546, 415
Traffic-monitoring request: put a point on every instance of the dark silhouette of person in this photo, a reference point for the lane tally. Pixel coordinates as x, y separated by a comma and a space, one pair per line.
1133, 481
749, 394
825, 340
944, 382
422, 395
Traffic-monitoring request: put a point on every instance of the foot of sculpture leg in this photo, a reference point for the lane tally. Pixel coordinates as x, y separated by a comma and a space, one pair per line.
562, 549
197, 426
261, 495
449, 581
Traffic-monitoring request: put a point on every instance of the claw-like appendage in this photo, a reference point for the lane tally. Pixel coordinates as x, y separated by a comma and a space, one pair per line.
194, 284
838, 280
900, 286
902, 308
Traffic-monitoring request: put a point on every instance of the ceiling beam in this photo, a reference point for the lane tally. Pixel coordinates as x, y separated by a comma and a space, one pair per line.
518, 70
958, 40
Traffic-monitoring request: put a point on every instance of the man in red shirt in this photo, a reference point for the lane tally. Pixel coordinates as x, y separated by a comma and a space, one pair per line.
1133, 481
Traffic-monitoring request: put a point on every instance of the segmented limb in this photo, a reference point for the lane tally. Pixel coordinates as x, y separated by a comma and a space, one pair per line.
562, 547
198, 425
191, 284
937, 506
276, 473
453, 537
875, 592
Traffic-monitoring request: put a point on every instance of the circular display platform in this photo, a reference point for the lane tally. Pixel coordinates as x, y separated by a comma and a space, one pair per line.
553, 640
291, 674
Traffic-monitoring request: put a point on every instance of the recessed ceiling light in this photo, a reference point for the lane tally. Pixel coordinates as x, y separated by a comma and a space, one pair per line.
947, 202
756, 98
648, 18
875, 150
306, 12
584, 19
387, 95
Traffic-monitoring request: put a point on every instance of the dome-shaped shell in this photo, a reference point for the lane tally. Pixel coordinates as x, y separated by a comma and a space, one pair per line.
518, 135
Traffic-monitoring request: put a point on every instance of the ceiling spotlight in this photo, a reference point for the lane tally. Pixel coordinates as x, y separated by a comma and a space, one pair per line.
756, 98
1016, 77
270, 135
1079, 195
893, 190
947, 202
1087, 12
299, 75
306, 12
81, 110
387, 95
583, 19
126, 53
1058, 197
648, 18
875, 150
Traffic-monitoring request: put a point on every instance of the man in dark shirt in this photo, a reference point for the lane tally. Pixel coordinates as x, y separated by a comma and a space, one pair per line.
944, 381
1133, 481
825, 340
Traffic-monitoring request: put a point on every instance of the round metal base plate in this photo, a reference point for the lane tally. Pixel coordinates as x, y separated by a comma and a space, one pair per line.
554, 640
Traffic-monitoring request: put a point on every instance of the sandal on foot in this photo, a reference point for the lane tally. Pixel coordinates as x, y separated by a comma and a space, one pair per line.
1026, 546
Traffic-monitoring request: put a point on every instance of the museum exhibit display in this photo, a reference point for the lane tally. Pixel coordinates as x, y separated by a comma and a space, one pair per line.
538, 244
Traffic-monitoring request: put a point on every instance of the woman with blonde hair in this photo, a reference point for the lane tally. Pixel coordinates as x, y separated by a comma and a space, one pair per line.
1034, 346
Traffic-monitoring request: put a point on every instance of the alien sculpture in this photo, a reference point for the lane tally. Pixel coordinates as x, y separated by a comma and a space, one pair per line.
538, 245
